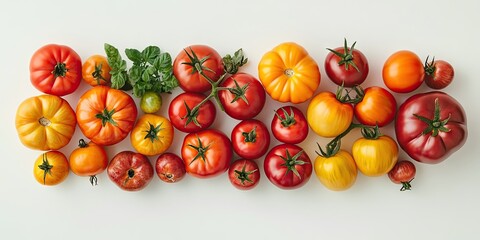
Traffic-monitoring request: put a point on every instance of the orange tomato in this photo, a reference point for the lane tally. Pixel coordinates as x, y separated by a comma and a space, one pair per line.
288, 73
51, 168
45, 122
378, 107
96, 71
403, 72
88, 160
152, 135
328, 116
375, 157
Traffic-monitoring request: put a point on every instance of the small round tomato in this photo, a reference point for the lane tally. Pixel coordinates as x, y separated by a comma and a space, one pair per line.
130, 171
403, 173
403, 72
151, 102
188, 76
88, 160
96, 71
244, 98
328, 116
438, 74
151, 135
170, 168
250, 139
375, 157
337, 172
51, 168
244, 174
289, 125
186, 118
377, 107
287, 166
346, 66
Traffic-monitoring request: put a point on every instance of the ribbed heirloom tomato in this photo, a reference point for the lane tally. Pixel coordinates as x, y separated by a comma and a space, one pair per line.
89, 159
152, 135
96, 71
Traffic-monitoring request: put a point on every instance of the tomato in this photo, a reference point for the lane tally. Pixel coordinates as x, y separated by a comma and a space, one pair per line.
431, 126
88, 160
438, 74
403, 173
96, 71
106, 115
245, 97
244, 174
403, 72
250, 139
287, 166
51, 168
130, 171
152, 135
185, 118
288, 73
346, 66
170, 168
189, 79
328, 116
378, 106
151, 102
289, 125
206, 153
337, 172
45, 122
56, 69
375, 157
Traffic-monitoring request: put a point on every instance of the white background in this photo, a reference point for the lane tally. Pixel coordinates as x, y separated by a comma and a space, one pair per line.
442, 205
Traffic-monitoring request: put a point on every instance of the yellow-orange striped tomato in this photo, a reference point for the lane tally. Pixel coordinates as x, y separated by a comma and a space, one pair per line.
375, 157
152, 135
51, 168
337, 172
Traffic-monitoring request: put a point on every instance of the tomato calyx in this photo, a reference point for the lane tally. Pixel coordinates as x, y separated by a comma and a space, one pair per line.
201, 150
406, 185
82, 143
243, 175
346, 57
239, 92
289, 118
97, 73
153, 131
231, 64
346, 98
130, 175
60, 70
371, 133
250, 136
106, 116
291, 162
429, 67
436, 124
45, 167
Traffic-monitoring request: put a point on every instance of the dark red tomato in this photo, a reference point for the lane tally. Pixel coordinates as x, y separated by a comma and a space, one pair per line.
289, 125
378, 106
185, 71
438, 74
186, 118
244, 174
245, 97
287, 166
56, 69
250, 139
346, 66
403, 173
170, 168
431, 126
130, 171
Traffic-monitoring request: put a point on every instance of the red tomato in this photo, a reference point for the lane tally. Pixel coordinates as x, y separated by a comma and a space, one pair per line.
245, 97
438, 74
250, 139
170, 168
289, 125
378, 106
206, 153
403, 173
56, 69
130, 171
189, 79
183, 106
244, 174
287, 166
346, 66
403, 72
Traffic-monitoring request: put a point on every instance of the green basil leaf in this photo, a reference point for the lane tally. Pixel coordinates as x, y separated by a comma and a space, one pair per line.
135, 74
118, 80
113, 56
150, 53
134, 55
165, 61
145, 76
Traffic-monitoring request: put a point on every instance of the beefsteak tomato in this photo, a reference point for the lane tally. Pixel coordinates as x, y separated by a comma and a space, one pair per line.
152, 135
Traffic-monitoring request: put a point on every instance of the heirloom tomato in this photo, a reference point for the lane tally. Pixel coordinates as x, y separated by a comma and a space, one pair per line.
346, 66
151, 102
377, 107
244, 174
337, 172
170, 168
89, 159
403, 72
288, 73
96, 71
250, 139
403, 173
289, 125
151, 135
438, 74
186, 117
130, 171
51, 168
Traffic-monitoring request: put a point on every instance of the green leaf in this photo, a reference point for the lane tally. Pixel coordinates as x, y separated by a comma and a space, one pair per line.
113, 56
145, 76
165, 61
134, 74
134, 55
118, 80
150, 53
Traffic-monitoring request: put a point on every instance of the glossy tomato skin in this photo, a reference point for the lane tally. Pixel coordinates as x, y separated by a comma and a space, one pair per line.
206, 153
170, 168
233, 101
51, 168
403, 171
428, 147
106, 115
130, 171
152, 135
277, 170
375, 157
348, 77
244, 174
250, 139
45, 122
337, 172
189, 79
378, 106
289, 125
403, 72
288, 73
439, 75
177, 112
96, 71
89, 159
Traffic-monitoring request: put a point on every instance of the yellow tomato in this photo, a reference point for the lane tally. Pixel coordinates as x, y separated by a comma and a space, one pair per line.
375, 157
51, 168
45, 122
152, 135
288, 73
327, 116
337, 172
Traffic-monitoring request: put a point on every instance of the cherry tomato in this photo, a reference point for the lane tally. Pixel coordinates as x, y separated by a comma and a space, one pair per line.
88, 160
403, 173
438, 74
183, 116
250, 139
244, 174
403, 72
346, 66
378, 106
170, 168
289, 125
